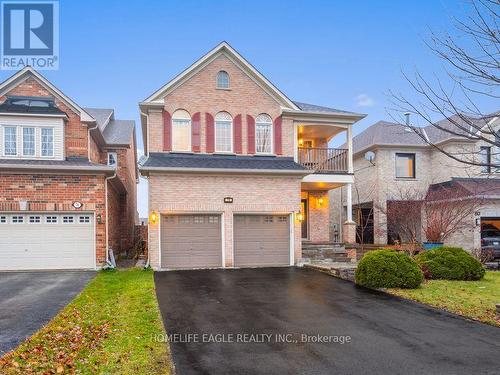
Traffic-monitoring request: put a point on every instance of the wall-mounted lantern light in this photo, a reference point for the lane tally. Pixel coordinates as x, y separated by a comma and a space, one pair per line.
301, 142
320, 201
153, 217
299, 216
99, 219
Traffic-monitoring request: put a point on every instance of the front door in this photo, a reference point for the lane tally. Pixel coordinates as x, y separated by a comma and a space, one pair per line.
305, 214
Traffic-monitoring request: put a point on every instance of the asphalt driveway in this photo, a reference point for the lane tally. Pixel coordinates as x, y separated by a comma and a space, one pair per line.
29, 300
268, 319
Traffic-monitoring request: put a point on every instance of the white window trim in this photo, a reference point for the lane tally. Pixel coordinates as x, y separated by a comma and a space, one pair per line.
47, 216
34, 222
12, 219
272, 137
116, 159
231, 151
217, 81
22, 141
84, 222
190, 143
4, 139
73, 222
53, 143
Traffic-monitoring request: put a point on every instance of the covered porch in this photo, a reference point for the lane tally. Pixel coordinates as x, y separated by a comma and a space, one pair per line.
330, 168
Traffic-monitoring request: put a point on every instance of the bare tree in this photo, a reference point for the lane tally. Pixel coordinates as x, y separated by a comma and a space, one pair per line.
447, 211
471, 55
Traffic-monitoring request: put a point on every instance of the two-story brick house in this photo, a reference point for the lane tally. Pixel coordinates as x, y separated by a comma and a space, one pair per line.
67, 178
238, 173
392, 163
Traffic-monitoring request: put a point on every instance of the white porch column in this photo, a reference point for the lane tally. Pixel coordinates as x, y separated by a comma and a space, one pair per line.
349, 227
349, 203
350, 168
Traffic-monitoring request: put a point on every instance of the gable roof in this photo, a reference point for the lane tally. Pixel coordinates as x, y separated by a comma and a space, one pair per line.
114, 132
239, 60
384, 133
27, 72
459, 187
313, 108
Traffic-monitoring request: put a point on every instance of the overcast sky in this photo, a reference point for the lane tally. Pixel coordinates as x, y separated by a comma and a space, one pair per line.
343, 54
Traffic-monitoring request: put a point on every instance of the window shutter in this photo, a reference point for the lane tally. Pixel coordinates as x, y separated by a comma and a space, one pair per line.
277, 136
210, 132
195, 132
251, 134
237, 134
167, 131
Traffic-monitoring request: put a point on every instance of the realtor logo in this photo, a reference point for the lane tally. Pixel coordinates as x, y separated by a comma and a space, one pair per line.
30, 35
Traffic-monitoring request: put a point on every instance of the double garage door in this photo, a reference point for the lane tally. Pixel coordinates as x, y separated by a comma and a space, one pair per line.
195, 241
46, 241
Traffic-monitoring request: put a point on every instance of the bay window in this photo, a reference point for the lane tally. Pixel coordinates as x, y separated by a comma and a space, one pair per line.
10, 140
263, 134
28, 141
47, 142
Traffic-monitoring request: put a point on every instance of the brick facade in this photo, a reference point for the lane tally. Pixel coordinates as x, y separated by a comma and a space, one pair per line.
205, 193
199, 94
56, 192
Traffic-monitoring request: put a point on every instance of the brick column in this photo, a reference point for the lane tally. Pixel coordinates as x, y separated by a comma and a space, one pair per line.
349, 232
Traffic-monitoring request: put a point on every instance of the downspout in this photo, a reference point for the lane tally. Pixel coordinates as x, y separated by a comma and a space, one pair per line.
109, 264
146, 152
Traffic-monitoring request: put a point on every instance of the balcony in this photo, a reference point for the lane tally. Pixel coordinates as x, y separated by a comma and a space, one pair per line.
323, 160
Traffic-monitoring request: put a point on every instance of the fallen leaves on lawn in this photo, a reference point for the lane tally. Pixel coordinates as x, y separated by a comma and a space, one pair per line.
58, 347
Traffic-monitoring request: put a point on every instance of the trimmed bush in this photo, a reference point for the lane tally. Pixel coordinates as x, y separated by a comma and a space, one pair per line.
388, 269
450, 263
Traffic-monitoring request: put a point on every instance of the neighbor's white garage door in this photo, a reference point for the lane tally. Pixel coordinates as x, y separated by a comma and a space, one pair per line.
46, 241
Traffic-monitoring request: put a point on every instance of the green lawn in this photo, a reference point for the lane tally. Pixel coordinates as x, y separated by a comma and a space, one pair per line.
107, 329
473, 299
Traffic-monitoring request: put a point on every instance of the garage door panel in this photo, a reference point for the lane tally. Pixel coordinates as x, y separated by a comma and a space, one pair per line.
37, 245
191, 241
261, 240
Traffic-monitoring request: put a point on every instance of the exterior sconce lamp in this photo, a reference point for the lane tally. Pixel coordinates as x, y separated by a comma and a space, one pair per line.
299, 216
301, 142
320, 201
153, 217
99, 219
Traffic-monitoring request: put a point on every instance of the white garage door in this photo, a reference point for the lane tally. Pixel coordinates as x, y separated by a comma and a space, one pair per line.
46, 241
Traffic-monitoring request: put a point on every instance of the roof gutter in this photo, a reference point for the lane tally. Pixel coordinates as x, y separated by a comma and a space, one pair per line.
325, 115
276, 172
57, 168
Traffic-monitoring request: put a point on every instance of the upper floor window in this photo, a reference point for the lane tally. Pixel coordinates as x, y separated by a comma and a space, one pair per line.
405, 165
10, 140
181, 131
485, 153
223, 132
47, 142
263, 134
28, 141
222, 80
112, 159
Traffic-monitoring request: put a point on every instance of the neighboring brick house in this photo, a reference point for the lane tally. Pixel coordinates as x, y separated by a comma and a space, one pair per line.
68, 178
238, 173
405, 164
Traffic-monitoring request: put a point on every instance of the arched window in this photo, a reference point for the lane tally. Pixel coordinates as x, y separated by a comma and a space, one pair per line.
263, 134
222, 80
181, 131
223, 132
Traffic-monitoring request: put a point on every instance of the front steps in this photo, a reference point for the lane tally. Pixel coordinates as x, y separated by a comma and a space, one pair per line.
331, 252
